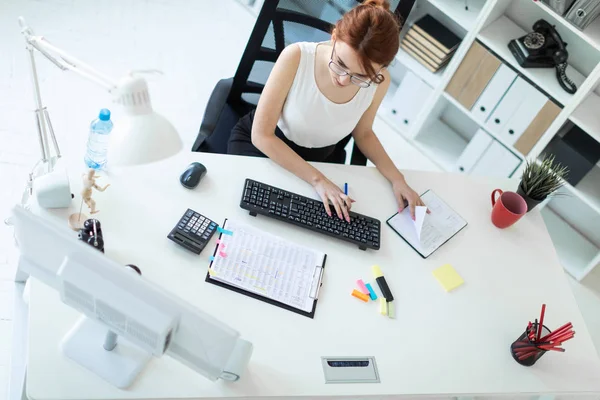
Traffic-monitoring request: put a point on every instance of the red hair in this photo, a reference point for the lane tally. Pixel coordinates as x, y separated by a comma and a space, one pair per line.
373, 31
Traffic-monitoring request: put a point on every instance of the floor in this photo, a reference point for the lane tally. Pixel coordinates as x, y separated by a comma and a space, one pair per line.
114, 37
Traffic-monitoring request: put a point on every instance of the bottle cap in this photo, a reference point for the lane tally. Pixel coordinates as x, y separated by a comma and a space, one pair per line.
104, 114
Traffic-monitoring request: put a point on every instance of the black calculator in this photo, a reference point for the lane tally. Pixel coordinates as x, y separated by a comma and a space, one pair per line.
193, 231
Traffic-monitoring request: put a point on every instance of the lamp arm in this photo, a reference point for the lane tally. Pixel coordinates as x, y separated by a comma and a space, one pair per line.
64, 60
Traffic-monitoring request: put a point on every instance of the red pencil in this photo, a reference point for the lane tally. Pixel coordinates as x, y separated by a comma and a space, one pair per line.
526, 355
560, 334
552, 348
566, 326
564, 337
539, 332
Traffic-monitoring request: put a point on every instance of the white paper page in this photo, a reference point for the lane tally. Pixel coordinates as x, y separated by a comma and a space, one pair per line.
438, 226
420, 213
265, 264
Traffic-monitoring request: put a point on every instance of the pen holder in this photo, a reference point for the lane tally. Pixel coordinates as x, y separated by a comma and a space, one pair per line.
524, 350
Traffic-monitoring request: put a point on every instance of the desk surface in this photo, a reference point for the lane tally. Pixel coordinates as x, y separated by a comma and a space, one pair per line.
440, 343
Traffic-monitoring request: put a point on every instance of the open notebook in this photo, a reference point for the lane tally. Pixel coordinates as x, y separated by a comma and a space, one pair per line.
267, 267
437, 227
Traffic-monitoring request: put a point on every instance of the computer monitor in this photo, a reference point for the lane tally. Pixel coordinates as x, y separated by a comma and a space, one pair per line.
115, 300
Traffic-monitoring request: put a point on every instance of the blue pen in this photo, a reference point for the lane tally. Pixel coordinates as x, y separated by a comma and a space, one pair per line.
346, 189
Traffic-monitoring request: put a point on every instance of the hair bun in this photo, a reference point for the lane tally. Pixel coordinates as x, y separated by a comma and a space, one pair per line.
378, 3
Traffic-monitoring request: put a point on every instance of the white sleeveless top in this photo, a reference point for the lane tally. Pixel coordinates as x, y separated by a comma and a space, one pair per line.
310, 119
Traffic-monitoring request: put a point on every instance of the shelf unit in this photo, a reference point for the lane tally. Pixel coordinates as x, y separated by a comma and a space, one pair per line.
494, 23
482, 125
496, 38
591, 34
432, 79
460, 11
587, 115
575, 252
443, 152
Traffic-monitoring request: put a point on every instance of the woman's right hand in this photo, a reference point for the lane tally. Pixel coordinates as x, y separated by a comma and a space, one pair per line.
331, 193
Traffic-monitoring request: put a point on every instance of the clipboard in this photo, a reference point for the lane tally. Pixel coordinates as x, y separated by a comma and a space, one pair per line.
455, 224
313, 294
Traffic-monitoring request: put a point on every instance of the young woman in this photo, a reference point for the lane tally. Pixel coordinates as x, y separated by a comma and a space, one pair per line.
318, 93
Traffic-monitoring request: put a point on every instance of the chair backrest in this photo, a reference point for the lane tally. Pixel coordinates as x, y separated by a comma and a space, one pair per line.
282, 22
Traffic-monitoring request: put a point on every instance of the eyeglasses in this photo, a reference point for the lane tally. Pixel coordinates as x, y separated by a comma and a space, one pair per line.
340, 71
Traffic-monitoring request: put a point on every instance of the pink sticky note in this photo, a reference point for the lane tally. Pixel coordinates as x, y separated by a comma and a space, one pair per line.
223, 254
218, 241
221, 246
362, 286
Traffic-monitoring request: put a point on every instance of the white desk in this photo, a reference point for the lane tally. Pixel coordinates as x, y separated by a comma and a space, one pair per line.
445, 344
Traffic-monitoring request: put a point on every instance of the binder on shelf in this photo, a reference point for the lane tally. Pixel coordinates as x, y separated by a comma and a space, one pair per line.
533, 101
583, 13
437, 34
559, 6
408, 100
508, 105
493, 93
473, 75
473, 152
473, 89
537, 127
496, 161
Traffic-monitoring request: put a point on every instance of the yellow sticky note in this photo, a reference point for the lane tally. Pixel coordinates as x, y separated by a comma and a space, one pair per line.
448, 277
212, 272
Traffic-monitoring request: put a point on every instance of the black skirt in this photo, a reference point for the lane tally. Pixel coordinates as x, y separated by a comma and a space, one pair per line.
240, 142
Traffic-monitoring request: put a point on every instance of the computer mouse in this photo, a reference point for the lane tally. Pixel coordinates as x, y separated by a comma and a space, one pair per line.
192, 175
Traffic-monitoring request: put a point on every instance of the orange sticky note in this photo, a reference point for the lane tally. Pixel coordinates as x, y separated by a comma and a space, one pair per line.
360, 295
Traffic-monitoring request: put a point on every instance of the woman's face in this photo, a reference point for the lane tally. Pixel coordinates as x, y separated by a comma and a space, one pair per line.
347, 60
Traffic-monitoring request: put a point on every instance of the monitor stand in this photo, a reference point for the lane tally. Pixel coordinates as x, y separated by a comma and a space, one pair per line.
84, 344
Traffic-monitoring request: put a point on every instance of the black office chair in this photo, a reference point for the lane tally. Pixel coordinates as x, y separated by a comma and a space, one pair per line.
279, 23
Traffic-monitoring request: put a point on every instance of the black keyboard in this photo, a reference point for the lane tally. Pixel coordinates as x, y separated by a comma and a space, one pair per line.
260, 198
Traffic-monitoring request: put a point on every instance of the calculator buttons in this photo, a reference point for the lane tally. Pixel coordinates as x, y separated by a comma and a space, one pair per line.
193, 231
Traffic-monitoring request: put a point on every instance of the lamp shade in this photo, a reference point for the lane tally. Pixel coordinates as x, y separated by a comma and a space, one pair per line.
141, 135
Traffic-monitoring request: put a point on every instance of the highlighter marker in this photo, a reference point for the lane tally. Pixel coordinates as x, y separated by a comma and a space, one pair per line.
362, 287
360, 295
383, 286
383, 306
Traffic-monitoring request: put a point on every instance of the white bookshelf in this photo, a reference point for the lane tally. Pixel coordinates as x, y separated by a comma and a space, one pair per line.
441, 143
481, 124
588, 190
456, 10
575, 252
573, 220
431, 78
587, 115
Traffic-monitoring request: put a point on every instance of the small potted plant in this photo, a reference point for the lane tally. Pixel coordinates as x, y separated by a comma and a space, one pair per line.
541, 179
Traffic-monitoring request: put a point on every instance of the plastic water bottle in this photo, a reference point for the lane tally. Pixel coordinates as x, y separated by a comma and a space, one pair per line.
97, 146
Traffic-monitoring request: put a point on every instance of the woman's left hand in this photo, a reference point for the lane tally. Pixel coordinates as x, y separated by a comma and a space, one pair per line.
405, 194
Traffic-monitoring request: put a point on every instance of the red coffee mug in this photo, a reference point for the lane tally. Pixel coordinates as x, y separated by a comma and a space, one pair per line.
507, 209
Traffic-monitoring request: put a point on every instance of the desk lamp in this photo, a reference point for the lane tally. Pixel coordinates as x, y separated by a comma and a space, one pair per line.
141, 136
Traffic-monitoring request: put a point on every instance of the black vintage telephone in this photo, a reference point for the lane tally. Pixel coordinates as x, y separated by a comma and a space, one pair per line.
543, 48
